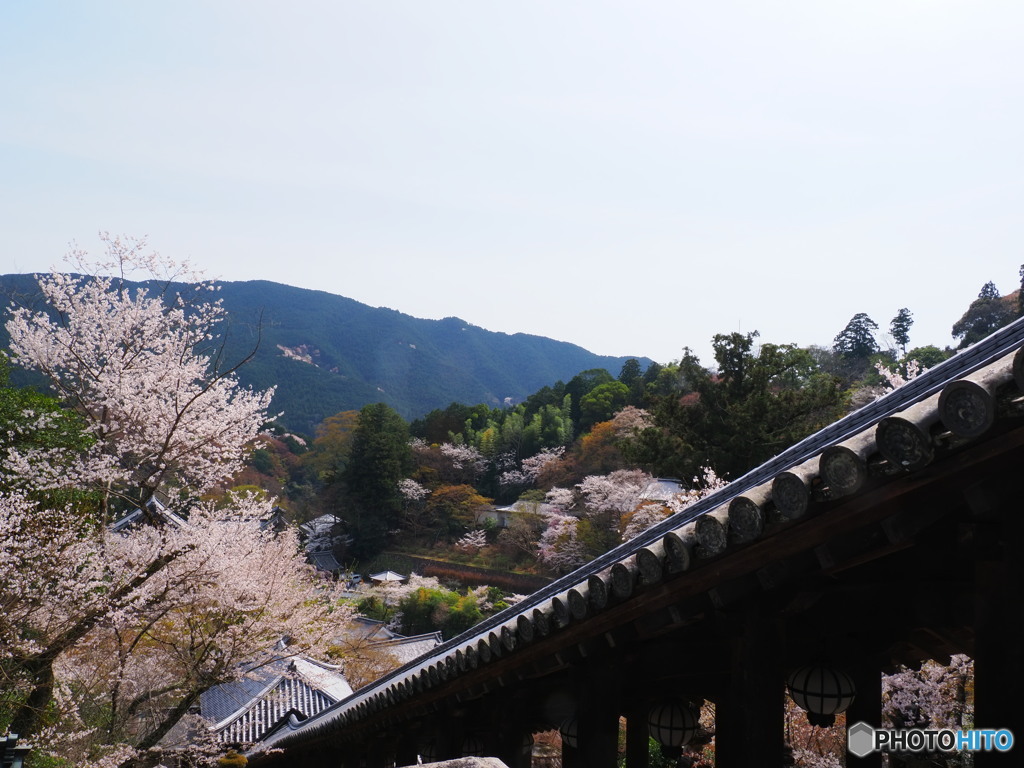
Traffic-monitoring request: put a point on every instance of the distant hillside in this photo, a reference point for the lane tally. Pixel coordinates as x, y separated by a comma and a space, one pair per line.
327, 353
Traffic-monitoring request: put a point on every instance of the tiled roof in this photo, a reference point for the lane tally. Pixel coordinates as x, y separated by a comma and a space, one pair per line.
958, 395
325, 561
246, 710
661, 489
156, 508
222, 700
405, 649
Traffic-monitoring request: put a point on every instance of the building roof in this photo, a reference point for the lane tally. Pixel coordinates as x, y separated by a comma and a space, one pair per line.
893, 437
320, 525
662, 489
325, 561
527, 506
157, 510
405, 649
388, 576
290, 690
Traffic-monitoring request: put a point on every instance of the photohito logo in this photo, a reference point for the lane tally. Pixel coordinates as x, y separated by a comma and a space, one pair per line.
862, 740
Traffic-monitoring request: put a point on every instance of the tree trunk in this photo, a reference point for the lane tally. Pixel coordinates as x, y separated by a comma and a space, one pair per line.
27, 717
171, 719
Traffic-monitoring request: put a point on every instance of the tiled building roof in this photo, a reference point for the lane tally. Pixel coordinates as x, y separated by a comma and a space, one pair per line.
248, 709
951, 406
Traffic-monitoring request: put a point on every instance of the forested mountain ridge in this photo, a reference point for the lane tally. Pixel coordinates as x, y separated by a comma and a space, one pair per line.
327, 353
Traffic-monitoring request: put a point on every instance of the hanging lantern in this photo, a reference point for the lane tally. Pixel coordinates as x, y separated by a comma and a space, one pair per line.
673, 723
823, 692
570, 732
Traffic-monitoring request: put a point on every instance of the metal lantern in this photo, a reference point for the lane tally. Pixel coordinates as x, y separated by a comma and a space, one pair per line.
673, 723
570, 731
823, 692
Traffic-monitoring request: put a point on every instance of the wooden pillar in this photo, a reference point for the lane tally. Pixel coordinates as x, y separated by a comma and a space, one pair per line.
999, 639
513, 743
598, 717
750, 717
450, 734
597, 721
637, 736
866, 708
378, 755
406, 751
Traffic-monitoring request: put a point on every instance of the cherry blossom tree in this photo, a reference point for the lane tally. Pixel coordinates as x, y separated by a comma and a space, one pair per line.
894, 379
605, 510
531, 468
473, 541
560, 547
216, 611
136, 623
140, 369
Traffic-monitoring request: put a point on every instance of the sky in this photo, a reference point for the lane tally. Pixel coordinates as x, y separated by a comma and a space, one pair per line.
633, 177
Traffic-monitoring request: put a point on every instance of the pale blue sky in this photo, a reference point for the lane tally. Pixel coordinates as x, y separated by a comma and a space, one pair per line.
632, 177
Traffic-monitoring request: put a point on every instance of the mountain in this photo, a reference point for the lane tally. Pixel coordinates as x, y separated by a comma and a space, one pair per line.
327, 353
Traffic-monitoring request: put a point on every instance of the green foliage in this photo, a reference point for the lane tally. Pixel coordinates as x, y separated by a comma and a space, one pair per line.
655, 759
431, 610
30, 420
899, 327
380, 457
262, 461
1020, 293
928, 356
986, 314
580, 385
452, 509
519, 432
857, 339
758, 404
602, 402
374, 608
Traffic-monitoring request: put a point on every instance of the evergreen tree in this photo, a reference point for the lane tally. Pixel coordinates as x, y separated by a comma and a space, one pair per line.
1020, 293
857, 339
380, 457
986, 314
899, 327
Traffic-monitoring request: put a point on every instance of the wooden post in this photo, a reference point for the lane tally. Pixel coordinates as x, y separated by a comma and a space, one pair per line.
597, 721
637, 736
377, 755
999, 641
750, 718
405, 751
866, 708
511, 741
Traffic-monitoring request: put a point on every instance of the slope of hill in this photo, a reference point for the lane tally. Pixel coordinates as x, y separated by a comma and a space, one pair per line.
327, 353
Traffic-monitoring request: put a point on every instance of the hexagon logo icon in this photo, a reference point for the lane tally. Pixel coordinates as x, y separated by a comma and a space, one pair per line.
860, 739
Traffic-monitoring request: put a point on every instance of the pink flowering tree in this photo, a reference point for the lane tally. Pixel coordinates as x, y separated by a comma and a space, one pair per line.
560, 547
139, 368
137, 623
447, 462
532, 466
220, 608
472, 542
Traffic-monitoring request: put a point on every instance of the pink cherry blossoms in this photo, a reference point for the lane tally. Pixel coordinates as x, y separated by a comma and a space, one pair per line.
139, 369
113, 636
